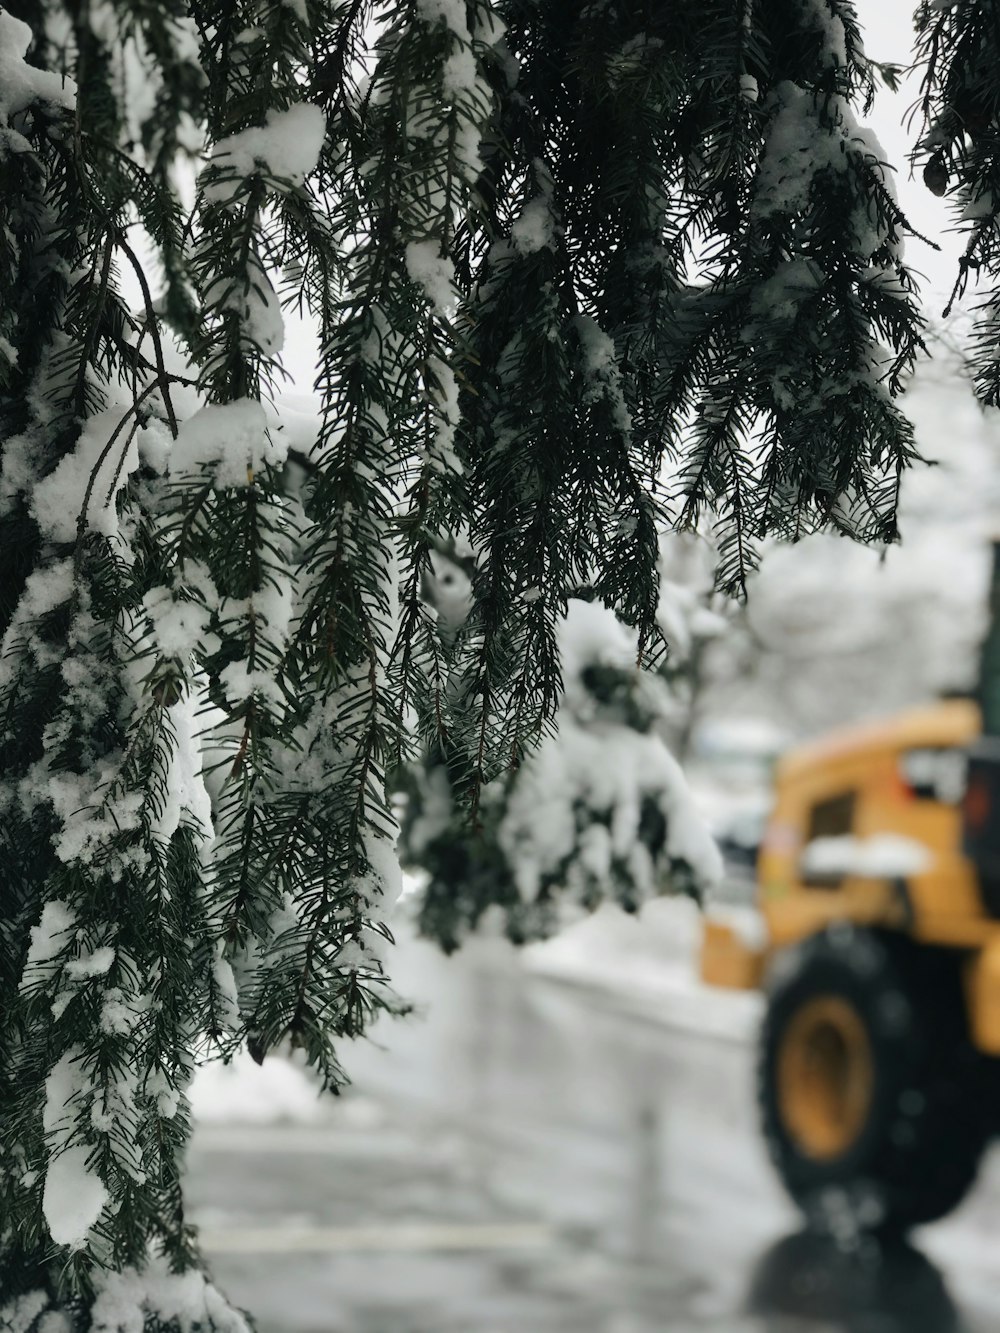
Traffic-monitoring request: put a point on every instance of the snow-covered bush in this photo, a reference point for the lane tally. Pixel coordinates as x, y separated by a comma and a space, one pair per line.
599, 810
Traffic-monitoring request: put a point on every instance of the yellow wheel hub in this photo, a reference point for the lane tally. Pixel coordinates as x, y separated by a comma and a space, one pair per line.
825, 1077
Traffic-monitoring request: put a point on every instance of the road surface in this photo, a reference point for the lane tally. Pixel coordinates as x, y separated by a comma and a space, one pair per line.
528, 1156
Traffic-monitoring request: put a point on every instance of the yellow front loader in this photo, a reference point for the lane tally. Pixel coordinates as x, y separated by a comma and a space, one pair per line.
878, 884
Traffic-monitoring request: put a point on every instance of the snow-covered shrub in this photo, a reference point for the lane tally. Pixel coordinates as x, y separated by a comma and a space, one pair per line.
599, 810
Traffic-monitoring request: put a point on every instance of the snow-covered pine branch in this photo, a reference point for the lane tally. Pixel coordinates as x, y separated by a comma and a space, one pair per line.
959, 46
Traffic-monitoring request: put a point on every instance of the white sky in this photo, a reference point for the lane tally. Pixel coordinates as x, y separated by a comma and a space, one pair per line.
888, 30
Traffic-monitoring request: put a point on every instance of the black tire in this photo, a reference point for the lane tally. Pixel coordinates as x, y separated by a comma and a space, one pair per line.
919, 1133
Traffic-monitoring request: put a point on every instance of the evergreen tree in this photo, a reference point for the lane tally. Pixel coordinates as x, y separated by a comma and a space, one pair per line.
555, 252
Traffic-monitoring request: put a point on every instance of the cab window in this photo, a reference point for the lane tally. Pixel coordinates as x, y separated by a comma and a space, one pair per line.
832, 818
936, 774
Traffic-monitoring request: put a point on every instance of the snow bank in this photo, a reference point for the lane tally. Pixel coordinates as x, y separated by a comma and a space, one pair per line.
648, 964
243, 1092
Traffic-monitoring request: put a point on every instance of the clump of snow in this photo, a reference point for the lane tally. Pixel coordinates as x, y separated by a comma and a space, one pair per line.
94, 964
591, 635
881, 856
384, 873
50, 937
535, 227
450, 12
273, 604
179, 626
801, 145
443, 387
254, 302
74, 1195
687, 581
602, 375
821, 17
239, 682
298, 417
131, 1300
185, 799
57, 500
114, 1111
166, 1096
285, 149
459, 74
21, 83
609, 773
225, 993
488, 27
88, 825
119, 1016
47, 587
31, 1313
231, 439
434, 272
19, 466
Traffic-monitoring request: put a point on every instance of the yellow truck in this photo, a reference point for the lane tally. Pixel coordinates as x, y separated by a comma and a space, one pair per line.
878, 886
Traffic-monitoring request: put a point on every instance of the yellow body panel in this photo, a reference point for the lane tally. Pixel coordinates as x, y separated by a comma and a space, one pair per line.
949, 722
794, 916
940, 905
982, 990
727, 961
866, 760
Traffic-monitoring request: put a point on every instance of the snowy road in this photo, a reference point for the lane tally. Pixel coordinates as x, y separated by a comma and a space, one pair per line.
530, 1157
